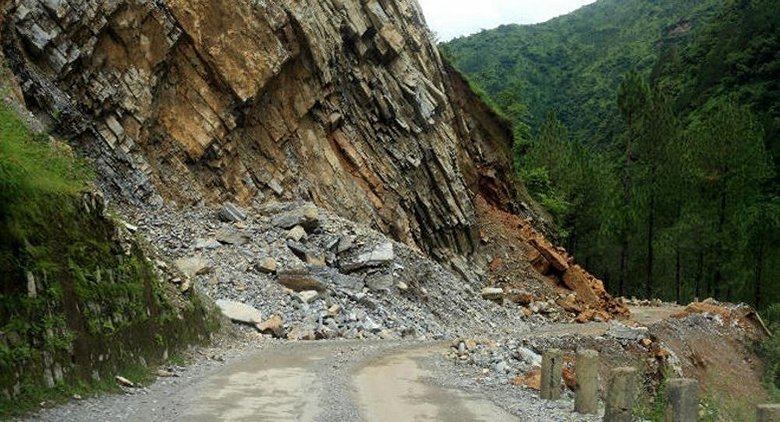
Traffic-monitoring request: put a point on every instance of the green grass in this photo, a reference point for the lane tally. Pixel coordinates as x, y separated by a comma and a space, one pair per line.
35, 397
31, 165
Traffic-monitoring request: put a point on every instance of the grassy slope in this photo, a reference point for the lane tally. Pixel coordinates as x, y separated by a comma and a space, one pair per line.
93, 296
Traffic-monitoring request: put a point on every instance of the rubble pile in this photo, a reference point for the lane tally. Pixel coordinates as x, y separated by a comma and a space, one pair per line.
311, 275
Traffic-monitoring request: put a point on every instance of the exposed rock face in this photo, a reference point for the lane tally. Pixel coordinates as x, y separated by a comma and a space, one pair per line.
342, 102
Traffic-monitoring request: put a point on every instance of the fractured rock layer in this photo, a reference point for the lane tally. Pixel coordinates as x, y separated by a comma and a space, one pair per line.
342, 102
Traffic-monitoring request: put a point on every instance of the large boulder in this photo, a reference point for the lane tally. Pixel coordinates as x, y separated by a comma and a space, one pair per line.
299, 280
376, 256
240, 312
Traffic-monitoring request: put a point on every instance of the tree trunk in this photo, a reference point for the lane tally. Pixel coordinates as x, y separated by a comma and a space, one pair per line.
623, 267
677, 280
718, 279
759, 275
626, 205
650, 234
699, 274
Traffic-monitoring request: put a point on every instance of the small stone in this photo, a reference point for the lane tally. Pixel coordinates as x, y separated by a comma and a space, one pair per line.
193, 266
298, 333
529, 356
315, 259
231, 213
299, 280
379, 255
379, 283
273, 326
164, 373
307, 216
345, 243
402, 286
308, 296
521, 297
334, 310
207, 244
124, 381
622, 332
231, 236
297, 233
266, 265
492, 293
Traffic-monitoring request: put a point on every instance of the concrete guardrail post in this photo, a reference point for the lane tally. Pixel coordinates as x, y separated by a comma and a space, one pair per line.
620, 395
768, 412
552, 373
586, 399
683, 403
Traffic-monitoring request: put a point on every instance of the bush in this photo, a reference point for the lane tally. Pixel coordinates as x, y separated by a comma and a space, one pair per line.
769, 350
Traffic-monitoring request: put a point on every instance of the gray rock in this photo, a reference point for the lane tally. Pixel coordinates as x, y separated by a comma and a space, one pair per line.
501, 367
379, 255
193, 266
231, 213
348, 282
296, 234
492, 293
369, 324
207, 244
622, 332
266, 265
307, 216
345, 243
298, 248
240, 312
230, 236
529, 356
380, 282
308, 296
299, 279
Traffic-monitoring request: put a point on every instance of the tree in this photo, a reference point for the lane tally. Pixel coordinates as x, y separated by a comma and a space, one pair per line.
732, 166
632, 98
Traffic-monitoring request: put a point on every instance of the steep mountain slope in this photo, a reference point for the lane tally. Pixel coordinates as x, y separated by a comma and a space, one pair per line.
735, 54
343, 103
572, 65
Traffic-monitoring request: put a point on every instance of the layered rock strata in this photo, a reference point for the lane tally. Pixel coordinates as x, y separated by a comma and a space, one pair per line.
342, 102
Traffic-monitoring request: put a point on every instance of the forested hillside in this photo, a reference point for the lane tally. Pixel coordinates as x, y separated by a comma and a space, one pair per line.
572, 65
656, 151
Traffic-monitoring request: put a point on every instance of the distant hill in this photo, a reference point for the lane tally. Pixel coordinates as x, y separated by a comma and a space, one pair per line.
573, 64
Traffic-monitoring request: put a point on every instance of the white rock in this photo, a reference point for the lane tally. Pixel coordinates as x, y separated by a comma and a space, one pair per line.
193, 266
239, 312
381, 254
308, 296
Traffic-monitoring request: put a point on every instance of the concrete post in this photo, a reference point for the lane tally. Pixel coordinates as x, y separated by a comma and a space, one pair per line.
586, 399
683, 404
552, 373
620, 395
768, 413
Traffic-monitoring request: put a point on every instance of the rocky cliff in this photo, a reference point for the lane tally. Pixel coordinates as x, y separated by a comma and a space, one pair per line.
342, 102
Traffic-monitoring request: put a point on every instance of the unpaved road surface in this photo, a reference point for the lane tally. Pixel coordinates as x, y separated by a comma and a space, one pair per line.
333, 381
307, 381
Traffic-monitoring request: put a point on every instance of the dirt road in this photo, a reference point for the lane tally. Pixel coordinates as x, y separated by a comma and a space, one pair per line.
306, 381
330, 381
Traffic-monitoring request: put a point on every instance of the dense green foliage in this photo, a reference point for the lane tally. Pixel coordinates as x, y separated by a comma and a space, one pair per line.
661, 172
571, 65
69, 291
